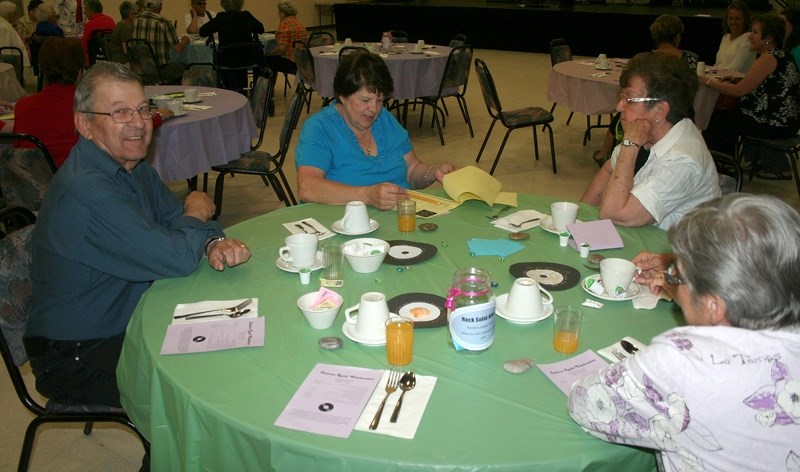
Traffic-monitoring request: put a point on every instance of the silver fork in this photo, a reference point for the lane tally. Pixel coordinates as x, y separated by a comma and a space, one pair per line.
314, 229
391, 387
222, 311
519, 225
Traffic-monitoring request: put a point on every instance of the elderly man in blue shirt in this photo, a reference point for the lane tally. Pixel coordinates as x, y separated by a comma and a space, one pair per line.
107, 228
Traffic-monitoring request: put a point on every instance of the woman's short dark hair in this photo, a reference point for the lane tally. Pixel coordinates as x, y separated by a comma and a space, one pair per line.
772, 25
362, 69
232, 5
126, 7
667, 78
742, 7
61, 60
792, 16
34, 4
666, 29
744, 249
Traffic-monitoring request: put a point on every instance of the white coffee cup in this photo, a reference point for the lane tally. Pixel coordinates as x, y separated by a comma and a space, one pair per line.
601, 58
372, 314
563, 213
701, 68
190, 94
420, 45
617, 275
525, 299
300, 250
356, 219
175, 106
348, 42
161, 100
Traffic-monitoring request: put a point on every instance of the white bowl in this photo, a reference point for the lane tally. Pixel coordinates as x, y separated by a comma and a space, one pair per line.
320, 318
365, 255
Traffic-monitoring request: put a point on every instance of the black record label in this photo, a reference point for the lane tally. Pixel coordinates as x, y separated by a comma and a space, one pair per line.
550, 275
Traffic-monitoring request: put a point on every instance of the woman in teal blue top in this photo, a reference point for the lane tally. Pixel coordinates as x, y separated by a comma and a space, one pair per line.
355, 149
792, 42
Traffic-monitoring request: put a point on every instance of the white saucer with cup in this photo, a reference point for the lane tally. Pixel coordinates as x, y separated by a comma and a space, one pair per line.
175, 106
366, 322
617, 276
524, 302
563, 214
356, 220
160, 101
300, 250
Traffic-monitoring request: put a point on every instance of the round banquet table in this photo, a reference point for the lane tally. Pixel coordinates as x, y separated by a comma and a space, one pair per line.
188, 145
10, 88
414, 75
572, 84
216, 410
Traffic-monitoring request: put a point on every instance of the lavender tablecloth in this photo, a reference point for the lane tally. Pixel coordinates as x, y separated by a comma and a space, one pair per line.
414, 75
188, 145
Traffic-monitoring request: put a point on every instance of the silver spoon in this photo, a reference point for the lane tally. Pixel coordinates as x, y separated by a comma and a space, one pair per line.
519, 225
407, 382
497, 215
235, 314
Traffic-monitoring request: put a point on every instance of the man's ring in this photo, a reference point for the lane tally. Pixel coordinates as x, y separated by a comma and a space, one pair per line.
243, 245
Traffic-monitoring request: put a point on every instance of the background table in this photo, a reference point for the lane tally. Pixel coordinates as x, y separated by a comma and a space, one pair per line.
414, 75
198, 52
215, 411
571, 84
188, 145
10, 88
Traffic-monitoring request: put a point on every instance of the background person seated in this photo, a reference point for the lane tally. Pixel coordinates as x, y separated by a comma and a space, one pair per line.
48, 114
97, 21
48, 22
662, 169
122, 32
354, 149
8, 35
197, 16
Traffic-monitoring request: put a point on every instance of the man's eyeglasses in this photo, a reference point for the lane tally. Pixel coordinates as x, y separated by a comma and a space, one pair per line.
125, 115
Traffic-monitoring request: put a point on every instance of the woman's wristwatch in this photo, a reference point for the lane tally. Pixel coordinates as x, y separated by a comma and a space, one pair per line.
627, 142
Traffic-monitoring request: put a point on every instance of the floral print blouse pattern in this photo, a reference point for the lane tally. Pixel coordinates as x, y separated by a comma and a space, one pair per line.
776, 100
731, 403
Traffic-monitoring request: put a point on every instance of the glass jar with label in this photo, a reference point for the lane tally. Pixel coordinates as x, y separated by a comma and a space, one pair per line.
470, 310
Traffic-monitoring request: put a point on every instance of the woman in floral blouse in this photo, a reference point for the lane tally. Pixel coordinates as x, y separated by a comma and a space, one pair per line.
770, 96
721, 394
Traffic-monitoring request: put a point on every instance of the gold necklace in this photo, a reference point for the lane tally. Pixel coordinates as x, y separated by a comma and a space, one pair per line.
367, 148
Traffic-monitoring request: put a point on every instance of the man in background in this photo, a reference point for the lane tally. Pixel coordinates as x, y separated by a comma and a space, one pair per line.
98, 21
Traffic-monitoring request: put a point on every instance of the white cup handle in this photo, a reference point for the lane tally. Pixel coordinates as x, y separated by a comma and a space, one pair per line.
549, 296
285, 254
348, 314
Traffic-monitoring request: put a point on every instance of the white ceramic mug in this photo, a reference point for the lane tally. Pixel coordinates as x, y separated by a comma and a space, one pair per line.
300, 250
190, 94
175, 106
525, 299
617, 275
701, 68
420, 45
161, 101
356, 219
601, 58
563, 213
370, 322
348, 42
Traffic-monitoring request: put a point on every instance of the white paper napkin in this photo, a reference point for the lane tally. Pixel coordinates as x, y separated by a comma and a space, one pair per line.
608, 352
414, 404
207, 94
646, 300
184, 308
196, 107
519, 217
293, 228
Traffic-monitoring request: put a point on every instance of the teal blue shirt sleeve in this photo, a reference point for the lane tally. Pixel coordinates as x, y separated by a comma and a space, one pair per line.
327, 143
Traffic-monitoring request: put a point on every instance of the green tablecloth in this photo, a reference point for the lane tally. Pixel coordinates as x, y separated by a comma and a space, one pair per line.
215, 411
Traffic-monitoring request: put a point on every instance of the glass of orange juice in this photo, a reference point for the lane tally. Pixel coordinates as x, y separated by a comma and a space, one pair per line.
566, 328
406, 215
399, 340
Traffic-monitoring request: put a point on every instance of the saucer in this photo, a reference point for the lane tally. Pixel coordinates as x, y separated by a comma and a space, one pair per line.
500, 303
630, 294
289, 267
337, 226
349, 330
183, 112
547, 225
192, 101
416, 52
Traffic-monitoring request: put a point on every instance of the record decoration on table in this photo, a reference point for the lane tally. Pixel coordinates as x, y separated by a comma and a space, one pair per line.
549, 275
426, 310
408, 252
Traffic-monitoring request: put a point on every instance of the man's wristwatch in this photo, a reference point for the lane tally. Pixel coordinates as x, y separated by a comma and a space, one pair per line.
211, 241
627, 142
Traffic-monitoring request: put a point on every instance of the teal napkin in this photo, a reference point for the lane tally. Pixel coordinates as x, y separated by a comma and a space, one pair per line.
493, 247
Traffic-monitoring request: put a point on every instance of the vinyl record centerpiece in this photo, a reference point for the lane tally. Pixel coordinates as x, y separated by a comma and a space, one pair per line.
549, 275
426, 310
404, 253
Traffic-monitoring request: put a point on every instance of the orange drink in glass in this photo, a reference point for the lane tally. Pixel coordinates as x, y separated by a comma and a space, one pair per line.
406, 215
566, 328
399, 341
